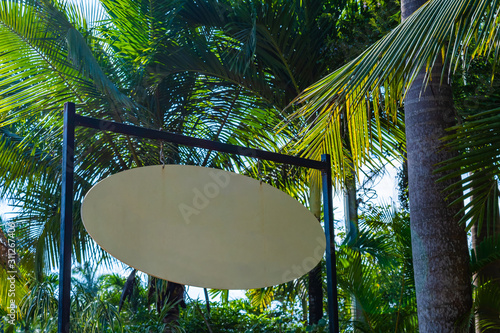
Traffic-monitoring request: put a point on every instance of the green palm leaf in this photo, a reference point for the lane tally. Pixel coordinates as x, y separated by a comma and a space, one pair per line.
380, 77
478, 140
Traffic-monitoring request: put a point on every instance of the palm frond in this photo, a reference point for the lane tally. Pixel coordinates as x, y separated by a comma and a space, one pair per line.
486, 305
484, 308
382, 75
35, 72
40, 304
13, 288
261, 298
478, 139
487, 251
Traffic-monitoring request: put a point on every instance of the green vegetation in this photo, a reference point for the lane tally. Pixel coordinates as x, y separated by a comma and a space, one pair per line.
303, 77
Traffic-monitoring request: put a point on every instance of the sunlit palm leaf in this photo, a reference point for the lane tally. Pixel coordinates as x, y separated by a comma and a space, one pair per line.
383, 73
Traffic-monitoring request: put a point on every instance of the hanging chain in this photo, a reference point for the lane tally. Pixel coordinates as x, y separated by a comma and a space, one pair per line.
259, 171
162, 157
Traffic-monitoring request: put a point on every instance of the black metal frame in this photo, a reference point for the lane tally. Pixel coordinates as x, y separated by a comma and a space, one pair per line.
71, 120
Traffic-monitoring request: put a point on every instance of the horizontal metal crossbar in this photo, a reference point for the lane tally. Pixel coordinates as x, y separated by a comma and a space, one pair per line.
114, 127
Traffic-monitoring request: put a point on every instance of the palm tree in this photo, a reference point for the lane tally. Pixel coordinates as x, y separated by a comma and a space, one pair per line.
476, 91
38, 308
428, 113
410, 67
476, 140
158, 65
212, 69
376, 267
54, 52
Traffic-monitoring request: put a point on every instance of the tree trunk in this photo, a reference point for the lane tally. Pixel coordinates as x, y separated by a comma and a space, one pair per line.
315, 290
351, 209
440, 253
163, 292
403, 184
174, 294
351, 226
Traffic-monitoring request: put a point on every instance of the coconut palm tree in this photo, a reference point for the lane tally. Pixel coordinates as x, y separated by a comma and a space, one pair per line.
476, 140
409, 67
429, 109
107, 59
221, 70
476, 91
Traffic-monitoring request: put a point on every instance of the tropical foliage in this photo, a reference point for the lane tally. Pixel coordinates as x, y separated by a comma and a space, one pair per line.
230, 71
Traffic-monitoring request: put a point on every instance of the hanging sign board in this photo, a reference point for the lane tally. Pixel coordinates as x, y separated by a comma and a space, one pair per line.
203, 227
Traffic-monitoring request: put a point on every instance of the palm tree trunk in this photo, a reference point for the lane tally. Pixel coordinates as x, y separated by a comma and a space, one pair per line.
351, 208
315, 295
440, 253
351, 225
315, 289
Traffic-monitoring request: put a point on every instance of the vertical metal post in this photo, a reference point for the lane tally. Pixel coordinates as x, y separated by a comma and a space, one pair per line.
66, 217
331, 262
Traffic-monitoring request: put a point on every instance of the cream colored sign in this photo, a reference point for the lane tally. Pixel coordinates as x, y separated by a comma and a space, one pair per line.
203, 227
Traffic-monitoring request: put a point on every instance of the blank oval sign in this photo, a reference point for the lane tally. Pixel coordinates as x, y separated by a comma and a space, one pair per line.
203, 227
